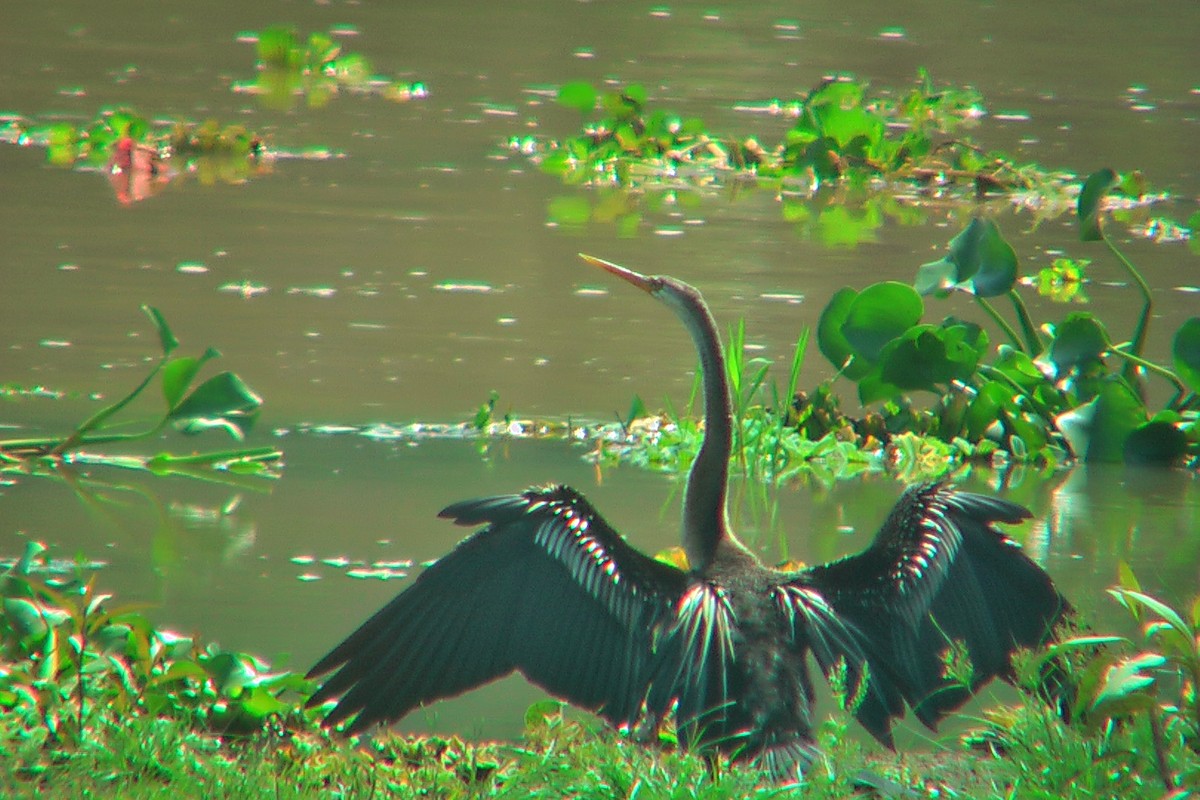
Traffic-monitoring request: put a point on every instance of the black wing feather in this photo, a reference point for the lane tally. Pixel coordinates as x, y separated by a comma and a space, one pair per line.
547, 588
938, 572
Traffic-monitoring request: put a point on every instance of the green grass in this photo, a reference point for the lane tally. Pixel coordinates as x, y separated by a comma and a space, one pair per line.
1024, 752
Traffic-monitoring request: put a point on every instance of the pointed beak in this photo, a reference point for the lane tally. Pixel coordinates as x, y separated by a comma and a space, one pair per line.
636, 278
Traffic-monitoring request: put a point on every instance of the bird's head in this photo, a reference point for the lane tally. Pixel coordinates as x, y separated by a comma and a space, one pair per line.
675, 293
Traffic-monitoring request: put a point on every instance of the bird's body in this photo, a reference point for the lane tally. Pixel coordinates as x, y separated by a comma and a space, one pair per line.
548, 588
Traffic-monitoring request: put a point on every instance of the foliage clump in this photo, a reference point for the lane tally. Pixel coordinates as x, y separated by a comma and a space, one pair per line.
316, 68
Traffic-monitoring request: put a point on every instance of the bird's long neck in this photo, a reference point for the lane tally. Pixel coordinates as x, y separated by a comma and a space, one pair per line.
705, 518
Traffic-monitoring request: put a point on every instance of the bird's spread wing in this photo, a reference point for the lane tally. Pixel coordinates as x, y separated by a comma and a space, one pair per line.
937, 578
547, 588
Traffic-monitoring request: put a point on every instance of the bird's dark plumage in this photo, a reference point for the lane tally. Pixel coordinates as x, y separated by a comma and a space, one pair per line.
546, 587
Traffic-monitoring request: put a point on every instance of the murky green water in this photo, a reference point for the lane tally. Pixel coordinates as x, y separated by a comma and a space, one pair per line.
425, 197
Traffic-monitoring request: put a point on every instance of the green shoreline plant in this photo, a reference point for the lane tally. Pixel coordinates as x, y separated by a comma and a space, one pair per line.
96, 699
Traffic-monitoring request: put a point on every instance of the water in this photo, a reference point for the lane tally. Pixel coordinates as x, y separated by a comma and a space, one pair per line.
355, 254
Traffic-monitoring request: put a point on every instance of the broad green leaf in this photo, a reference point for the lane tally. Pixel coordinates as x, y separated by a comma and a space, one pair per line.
872, 388
578, 94
276, 45
983, 261
929, 358
843, 125
985, 409
1078, 340
880, 313
830, 339
1185, 349
260, 703
1122, 686
1018, 367
1097, 431
178, 374
1091, 201
165, 337
224, 400
1155, 443
936, 277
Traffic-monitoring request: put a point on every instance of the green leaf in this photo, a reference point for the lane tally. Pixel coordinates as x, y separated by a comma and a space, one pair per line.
1126, 579
24, 617
843, 125
260, 703
578, 94
223, 400
178, 374
936, 277
1078, 341
1091, 199
830, 340
1097, 431
229, 672
980, 260
165, 337
984, 258
880, 313
1123, 685
1018, 367
636, 93
929, 358
1157, 442
1185, 348
1170, 615
637, 409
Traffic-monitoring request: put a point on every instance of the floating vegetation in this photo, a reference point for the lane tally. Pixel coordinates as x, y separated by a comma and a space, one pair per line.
223, 402
140, 156
1059, 391
897, 151
315, 69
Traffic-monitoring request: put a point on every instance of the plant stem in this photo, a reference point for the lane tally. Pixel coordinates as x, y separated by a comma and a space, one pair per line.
1135, 361
1160, 748
1032, 339
100, 416
1139, 332
1000, 321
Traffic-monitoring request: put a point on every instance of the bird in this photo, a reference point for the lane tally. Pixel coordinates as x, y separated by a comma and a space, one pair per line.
545, 586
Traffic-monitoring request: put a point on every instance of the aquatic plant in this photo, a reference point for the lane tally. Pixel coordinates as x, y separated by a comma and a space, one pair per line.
1051, 391
315, 68
222, 402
